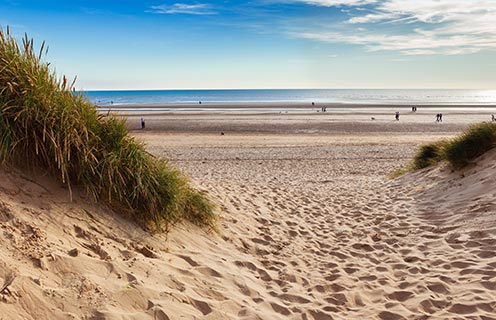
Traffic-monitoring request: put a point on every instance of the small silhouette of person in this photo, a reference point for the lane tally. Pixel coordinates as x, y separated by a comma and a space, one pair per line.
142, 123
440, 117
493, 118
199, 102
397, 116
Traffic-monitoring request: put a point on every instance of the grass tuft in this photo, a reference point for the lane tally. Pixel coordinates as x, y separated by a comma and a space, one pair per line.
428, 154
474, 142
44, 123
458, 152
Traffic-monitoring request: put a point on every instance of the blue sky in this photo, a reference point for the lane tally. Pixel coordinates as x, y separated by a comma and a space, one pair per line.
264, 43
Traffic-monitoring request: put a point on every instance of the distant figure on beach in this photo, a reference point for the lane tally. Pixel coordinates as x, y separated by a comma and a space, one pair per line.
397, 116
313, 103
439, 117
493, 118
199, 102
142, 123
414, 109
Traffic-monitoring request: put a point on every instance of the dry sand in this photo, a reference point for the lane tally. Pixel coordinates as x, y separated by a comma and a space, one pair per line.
311, 227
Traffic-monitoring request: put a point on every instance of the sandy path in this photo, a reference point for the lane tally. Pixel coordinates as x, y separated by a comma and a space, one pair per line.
335, 237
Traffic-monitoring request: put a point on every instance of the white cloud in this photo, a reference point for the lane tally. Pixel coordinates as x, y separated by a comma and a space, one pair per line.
335, 3
421, 27
429, 11
182, 8
411, 44
371, 17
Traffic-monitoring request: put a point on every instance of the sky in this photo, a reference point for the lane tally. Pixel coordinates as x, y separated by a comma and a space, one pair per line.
204, 44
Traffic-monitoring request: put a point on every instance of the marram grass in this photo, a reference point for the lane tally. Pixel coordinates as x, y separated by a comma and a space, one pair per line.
45, 124
472, 143
429, 154
458, 152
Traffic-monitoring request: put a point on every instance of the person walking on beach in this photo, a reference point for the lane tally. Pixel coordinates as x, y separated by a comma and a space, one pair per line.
397, 116
493, 118
440, 117
142, 123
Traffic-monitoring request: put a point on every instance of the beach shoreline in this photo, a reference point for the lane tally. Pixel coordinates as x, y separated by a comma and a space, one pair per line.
293, 106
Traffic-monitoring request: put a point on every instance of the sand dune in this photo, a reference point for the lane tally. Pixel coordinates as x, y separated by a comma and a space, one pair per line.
310, 228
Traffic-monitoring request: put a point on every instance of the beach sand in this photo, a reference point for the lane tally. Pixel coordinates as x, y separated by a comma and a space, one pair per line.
310, 227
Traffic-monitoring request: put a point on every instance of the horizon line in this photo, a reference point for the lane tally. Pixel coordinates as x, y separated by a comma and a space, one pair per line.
234, 89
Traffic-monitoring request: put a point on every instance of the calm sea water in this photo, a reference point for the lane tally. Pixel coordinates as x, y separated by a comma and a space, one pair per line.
351, 96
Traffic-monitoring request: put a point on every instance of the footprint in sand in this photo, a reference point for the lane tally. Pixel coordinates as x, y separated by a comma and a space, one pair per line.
401, 295
207, 271
387, 315
431, 306
438, 287
189, 260
319, 315
201, 306
280, 309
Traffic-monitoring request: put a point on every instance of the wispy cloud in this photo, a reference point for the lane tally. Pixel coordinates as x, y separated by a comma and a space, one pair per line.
421, 27
334, 3
183, 8
410, 44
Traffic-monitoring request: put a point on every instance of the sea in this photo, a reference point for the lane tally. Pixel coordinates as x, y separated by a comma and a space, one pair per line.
318, 96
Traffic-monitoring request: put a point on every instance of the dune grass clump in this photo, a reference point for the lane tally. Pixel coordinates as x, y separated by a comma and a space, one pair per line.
472, 143
458, 152
45, 124
428, 154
